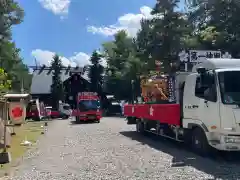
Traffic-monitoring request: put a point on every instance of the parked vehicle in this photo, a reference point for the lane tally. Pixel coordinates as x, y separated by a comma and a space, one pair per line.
114, 106
65, 110
49, 111
88, 107
55, 114
35, 110
205, 113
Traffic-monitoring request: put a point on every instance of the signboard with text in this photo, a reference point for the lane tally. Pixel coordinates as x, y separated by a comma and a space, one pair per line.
87, 96
192, 57
196, 56
17, 112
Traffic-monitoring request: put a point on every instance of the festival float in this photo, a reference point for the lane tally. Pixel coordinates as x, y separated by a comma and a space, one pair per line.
197, 105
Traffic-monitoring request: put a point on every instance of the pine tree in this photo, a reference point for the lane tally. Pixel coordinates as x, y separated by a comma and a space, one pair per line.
96, 72
57, 85
169, 26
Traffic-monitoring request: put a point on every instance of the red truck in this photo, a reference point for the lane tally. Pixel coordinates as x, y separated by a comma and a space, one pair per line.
88, 107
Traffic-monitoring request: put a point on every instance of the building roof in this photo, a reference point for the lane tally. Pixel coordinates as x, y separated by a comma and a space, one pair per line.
218, 63
42, 80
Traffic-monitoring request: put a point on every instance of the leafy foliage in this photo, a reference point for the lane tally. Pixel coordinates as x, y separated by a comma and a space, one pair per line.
11, 14
123, 65
160, 38
206, 25
96, 71
57, 90
5, 83
220, 20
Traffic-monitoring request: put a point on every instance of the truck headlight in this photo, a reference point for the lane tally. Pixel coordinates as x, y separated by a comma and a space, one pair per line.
230, 139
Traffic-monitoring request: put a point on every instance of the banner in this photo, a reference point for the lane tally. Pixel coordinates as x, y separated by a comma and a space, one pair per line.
17, 112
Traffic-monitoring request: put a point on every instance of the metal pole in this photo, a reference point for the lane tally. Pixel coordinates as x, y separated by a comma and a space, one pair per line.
132, 83
5, 127
22, 87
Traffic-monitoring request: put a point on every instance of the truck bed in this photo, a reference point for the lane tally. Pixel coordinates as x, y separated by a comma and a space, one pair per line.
164, 113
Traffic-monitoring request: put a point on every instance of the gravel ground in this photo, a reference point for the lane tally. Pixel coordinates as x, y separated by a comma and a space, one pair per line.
113, 150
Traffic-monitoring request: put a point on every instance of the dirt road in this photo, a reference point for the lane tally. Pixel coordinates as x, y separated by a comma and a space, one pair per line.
113, 150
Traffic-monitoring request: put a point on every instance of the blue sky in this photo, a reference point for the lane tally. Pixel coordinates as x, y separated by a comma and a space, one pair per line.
74, 28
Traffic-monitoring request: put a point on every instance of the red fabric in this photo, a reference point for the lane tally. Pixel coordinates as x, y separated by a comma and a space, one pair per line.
165, 113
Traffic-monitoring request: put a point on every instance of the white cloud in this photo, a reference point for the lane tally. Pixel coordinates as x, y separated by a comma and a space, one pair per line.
128, 22
45, 57
78, 59
58, 7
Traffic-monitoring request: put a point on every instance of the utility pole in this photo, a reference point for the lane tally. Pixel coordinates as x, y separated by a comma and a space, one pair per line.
22, 87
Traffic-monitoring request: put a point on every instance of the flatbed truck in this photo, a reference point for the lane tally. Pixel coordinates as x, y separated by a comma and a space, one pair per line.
205, 113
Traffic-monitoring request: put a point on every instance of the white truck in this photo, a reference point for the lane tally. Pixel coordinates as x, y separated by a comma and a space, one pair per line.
209, 102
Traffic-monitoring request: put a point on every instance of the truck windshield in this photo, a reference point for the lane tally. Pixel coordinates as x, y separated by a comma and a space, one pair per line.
85, 105
229, 86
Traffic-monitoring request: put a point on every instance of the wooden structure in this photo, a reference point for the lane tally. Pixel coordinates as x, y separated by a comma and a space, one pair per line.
72, 86
3, 118
17, 104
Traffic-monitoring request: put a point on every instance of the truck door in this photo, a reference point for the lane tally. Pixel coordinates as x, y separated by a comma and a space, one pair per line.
209, 104
190, 100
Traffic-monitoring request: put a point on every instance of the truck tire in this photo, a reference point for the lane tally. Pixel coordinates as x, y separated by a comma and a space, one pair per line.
137, 127
77, 119
140, 127
65, 116
131, 120
199, 142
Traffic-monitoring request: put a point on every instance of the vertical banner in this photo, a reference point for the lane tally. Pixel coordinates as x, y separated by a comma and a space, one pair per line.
17, 112
171, 89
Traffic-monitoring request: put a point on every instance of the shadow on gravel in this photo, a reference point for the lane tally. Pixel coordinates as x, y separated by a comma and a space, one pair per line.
222, 166
83, 122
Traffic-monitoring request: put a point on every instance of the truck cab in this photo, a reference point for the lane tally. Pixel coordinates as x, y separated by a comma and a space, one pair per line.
88, 107
211, 104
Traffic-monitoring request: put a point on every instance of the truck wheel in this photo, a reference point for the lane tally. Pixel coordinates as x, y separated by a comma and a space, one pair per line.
65, 117
131, 120
140, 126
199, 142
36, 119
77, 119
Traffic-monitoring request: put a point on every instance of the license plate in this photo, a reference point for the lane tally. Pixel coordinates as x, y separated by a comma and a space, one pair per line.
91, 117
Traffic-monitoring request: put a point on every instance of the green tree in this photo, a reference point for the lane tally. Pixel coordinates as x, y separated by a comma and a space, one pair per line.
96, 71
123, 65
205, 25
169, 27
11, 14
143, 46
5, 83
57, 90
220, 20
